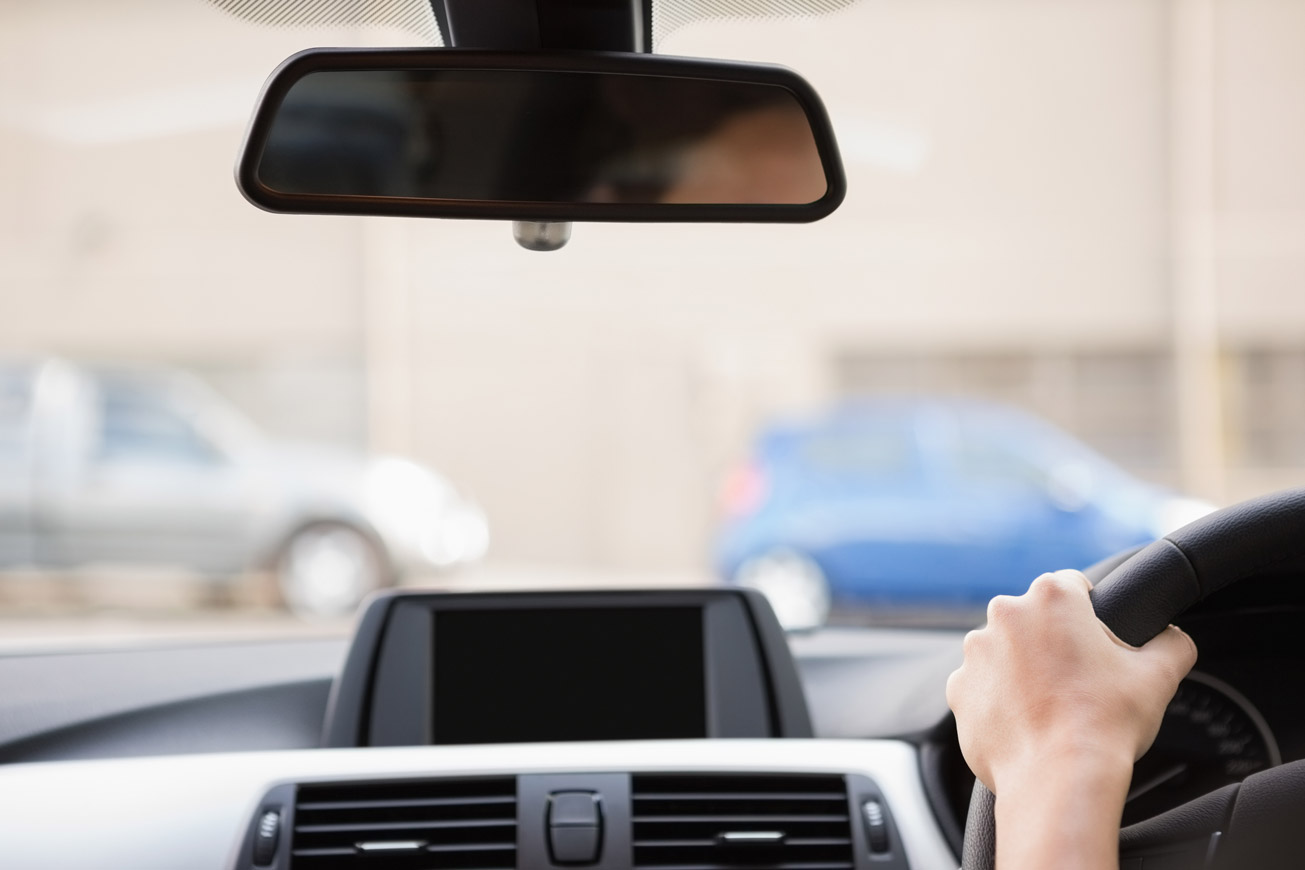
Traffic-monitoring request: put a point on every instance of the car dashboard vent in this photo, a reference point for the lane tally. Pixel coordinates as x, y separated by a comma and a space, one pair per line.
720, 822
446, 824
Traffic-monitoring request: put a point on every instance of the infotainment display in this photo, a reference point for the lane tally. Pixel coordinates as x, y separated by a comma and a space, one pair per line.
596, 673
522, 667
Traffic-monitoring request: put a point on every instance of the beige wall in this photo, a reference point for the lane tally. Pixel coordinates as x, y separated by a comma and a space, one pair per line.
1010, 192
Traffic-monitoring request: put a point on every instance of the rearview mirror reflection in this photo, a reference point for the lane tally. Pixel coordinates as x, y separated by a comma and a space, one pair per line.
590, 138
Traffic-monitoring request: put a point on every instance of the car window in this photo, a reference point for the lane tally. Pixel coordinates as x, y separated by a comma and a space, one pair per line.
881, 454
143, 422
979, 461
15, 413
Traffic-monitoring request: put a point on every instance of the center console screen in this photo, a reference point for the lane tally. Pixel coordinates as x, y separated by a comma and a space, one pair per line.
455, 668
591, 673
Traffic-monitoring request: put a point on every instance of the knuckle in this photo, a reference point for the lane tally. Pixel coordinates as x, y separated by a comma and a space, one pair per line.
1176, 665
1001, 608
953, 690
1048, 586
1074, 577
1166, 668
973, 639
1172, 672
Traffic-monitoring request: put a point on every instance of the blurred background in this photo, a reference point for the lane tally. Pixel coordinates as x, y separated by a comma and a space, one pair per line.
1085, 218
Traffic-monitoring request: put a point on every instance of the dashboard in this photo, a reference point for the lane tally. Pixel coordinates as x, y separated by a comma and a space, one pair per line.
174, 757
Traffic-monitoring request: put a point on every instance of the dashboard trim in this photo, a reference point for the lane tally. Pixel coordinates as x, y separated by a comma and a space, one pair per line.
192, 811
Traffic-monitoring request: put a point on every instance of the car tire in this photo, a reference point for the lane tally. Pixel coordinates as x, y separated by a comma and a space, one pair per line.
325, 569
794, 584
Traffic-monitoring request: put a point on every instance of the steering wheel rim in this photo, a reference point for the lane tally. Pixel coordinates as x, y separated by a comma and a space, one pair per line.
1150, 589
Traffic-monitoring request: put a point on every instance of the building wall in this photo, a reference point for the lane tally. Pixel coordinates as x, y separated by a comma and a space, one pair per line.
1009, 231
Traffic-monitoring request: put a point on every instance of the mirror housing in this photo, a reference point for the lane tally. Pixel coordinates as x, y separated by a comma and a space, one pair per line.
542, 137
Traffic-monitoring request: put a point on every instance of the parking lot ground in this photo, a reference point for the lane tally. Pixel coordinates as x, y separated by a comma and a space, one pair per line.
46, 611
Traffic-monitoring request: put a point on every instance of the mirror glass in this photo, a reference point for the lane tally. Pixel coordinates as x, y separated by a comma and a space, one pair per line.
494, 135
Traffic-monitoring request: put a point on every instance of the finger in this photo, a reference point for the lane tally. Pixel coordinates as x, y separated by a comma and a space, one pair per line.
999, 609
1071, 584
1072, 577
953, 690
1117, 639
971, 642
1174, 649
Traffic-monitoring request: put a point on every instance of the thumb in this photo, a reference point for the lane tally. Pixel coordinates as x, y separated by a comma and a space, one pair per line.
1172, 651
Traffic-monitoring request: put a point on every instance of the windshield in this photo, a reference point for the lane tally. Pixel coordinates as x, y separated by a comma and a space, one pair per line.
1056, 316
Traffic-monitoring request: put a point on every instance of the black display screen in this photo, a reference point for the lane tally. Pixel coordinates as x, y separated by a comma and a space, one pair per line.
602, 673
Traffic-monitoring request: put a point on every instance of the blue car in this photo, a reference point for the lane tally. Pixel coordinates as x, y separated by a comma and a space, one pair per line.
926, 504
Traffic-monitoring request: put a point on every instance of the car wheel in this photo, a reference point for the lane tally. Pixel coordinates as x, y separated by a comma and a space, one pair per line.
326, 569
793, 583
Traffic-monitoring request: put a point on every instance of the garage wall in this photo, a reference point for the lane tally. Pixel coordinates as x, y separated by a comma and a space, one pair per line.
1010, 200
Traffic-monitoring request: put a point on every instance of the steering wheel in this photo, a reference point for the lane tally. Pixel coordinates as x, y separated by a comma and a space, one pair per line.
1253, 824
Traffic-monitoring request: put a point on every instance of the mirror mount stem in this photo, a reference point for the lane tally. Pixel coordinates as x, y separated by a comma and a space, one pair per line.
546, 25
541, 235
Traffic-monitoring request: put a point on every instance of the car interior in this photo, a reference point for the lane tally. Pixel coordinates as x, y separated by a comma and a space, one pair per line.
652, 728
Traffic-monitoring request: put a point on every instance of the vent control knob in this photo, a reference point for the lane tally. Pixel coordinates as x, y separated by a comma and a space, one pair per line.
575, 827
876, 826
266, 832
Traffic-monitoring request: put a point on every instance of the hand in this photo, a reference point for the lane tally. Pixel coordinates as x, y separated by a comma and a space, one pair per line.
1052, 710
1045, 679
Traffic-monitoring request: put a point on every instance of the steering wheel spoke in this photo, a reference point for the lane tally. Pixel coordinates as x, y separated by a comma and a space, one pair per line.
1254, 823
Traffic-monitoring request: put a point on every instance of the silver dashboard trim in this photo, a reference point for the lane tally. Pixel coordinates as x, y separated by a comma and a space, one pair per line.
190, 811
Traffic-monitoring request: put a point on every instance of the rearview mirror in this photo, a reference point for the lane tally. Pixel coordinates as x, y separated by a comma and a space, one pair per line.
539, 137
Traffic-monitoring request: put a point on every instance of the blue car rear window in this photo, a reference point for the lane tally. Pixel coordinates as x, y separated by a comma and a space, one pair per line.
877, 453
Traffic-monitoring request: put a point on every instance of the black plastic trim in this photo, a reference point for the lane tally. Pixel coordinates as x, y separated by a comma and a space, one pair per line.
935, 762
860, 789
439, 10
545, 24
788, 700
612, 791
355, 700
490, 24
350, 692
626, 63
280, 798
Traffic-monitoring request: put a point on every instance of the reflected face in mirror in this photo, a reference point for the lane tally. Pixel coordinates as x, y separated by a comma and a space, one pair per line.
757, 156
494, 135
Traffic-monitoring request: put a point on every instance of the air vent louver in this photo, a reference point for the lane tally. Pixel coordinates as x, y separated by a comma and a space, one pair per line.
717, 822
449, 824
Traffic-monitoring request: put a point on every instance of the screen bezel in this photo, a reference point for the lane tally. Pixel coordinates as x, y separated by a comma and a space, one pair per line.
384, 695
